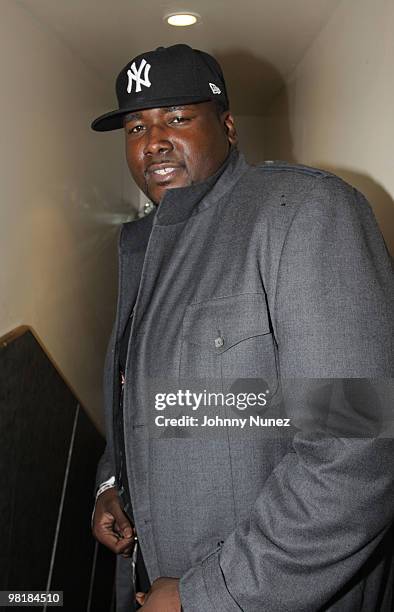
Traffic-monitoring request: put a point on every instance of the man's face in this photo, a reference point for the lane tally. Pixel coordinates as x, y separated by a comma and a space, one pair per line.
176, 146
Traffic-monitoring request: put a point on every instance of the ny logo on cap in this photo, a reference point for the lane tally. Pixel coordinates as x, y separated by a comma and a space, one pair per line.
134, 74
215, 88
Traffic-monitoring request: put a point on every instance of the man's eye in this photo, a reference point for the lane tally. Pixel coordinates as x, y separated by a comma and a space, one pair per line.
179, 120
135, 129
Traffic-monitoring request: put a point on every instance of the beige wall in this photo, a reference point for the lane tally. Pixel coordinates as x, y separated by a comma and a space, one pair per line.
62, 199
336, 110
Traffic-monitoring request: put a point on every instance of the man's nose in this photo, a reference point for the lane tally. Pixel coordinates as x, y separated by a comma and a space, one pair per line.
157, 141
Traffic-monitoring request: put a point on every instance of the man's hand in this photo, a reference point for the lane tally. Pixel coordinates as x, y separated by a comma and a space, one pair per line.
163, 596
111, 526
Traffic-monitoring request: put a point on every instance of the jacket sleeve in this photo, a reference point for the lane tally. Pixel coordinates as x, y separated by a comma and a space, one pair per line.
106, 467
329, 503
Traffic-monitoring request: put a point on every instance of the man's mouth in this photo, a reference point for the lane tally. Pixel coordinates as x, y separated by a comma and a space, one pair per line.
163, 171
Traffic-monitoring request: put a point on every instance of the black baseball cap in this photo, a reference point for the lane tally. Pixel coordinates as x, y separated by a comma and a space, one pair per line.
167, 76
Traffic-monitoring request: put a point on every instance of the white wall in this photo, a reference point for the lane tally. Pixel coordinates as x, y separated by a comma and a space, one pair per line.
62, 200
336, 110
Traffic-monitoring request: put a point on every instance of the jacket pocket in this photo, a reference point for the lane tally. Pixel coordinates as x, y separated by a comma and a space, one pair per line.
227, 339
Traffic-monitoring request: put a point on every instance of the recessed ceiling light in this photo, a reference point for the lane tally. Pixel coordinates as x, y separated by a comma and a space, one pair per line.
182, 19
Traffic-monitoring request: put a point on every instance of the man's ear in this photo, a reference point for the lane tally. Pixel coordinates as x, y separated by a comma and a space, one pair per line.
229, 126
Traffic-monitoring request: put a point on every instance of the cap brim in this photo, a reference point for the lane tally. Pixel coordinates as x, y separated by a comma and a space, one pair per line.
114, 119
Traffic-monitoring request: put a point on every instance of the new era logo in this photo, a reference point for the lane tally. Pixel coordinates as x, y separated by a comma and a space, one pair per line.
215, 88
135, 74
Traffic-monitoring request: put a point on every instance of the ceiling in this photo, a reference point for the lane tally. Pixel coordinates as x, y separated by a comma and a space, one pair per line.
258, 42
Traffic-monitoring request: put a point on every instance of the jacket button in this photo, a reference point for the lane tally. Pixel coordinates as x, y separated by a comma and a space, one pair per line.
219, 342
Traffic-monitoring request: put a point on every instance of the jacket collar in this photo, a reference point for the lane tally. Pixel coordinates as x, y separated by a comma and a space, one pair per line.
180, 203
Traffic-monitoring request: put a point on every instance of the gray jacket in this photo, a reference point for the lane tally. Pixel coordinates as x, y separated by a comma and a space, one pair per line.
263, 273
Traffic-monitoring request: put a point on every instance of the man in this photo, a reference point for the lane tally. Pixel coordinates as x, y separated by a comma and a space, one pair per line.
243, 276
